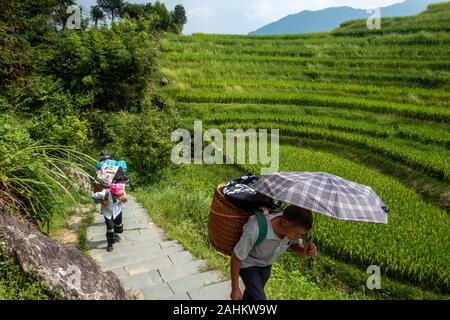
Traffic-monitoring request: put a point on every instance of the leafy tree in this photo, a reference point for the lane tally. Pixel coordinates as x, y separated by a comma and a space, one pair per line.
59, 13
113, 8
133, 10
97, 14
148, 8
179, 16
53, 10
14, 63
165, 21
35, 8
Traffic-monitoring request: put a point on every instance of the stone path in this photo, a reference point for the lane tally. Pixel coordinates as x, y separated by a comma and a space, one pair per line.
150, 265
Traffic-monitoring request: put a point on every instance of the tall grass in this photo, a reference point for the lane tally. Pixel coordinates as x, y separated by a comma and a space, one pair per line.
34, 177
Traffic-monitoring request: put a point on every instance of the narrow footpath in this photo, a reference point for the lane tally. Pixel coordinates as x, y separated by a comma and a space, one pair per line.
151, 266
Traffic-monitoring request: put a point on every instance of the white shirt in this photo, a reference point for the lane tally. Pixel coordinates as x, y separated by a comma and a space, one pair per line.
113, 206
267, 251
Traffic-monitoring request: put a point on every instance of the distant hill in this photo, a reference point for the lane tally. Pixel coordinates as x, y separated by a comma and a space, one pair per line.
330, 18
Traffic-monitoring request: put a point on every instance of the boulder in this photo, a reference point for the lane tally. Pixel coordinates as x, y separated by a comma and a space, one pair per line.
60, 268
81, 178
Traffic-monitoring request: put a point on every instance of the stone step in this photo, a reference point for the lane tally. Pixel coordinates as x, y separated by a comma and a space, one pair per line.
216, 291
134, 258
134, 210
181, 257
194, 281
100, 244
153, 244
183, 296
135, 226
141, 280
170, 243
161, 291
93, 241
98, 254
129, 247
181, 271
119, 272
141, 235
148, 266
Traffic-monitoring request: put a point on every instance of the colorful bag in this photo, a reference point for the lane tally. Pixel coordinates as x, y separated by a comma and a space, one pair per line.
110, 162
111, 171
106, 174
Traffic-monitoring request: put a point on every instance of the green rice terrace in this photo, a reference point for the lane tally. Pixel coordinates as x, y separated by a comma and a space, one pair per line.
372, 106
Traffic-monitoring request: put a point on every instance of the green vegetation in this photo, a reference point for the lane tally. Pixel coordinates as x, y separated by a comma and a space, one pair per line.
65, 95
34, 177
435, 19
14, 285
82, 232
368, 105
179, 202
412, 246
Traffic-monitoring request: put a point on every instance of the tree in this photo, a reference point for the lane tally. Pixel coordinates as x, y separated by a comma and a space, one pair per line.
148, 8
133, 10
179, 16
113, 8
60, 14
48, 9
97, 14
165, 18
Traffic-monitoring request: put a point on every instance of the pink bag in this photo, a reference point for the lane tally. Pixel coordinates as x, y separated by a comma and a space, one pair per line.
118, 189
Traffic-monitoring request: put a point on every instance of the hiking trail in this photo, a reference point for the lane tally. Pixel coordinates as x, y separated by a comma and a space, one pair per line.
151, 266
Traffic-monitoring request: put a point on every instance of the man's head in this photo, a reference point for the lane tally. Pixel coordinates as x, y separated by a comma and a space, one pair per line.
296, 222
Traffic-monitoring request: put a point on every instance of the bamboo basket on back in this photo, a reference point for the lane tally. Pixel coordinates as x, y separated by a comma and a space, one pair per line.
225, 222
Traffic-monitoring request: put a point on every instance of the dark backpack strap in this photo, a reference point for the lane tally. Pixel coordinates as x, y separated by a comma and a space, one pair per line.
262, 225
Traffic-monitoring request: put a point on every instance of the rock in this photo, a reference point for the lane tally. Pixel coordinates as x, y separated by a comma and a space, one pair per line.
164, 82
81, 177
60, 268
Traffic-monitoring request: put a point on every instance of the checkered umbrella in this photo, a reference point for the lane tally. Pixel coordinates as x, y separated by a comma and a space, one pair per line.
326, 194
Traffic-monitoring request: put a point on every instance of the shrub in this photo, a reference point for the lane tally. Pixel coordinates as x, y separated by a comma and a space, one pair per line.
33, 176
142, 139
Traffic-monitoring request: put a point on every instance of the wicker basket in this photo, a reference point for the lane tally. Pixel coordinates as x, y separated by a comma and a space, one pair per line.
225, 223
98, 187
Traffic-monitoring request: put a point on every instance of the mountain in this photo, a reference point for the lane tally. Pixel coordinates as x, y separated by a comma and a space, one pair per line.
330, 18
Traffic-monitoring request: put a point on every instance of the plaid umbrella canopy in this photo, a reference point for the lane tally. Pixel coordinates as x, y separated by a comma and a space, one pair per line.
326, 194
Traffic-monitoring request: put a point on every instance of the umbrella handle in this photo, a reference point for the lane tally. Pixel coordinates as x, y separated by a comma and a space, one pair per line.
307, 248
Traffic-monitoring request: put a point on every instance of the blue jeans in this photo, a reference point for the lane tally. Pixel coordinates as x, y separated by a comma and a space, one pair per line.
255, 279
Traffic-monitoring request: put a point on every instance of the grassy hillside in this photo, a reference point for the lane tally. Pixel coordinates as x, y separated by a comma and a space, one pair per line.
369, 105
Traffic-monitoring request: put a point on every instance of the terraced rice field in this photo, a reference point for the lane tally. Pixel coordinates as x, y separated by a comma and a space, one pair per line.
370, 106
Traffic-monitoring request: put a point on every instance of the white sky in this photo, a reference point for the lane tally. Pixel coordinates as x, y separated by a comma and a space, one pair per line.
244, 16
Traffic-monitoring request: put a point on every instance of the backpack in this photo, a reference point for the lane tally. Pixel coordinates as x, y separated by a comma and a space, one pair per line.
105, 175
110, 172
110, 162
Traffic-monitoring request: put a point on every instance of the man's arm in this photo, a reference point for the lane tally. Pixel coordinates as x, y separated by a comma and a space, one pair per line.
99, 197
236, 293
240, 253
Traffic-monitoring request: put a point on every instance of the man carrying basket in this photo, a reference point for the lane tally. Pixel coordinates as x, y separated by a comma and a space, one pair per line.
252, 258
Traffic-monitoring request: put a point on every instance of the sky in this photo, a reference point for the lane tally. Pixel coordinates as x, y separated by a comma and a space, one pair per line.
244, 16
